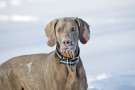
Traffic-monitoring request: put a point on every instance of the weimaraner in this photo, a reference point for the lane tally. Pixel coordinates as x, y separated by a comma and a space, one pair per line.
61, 69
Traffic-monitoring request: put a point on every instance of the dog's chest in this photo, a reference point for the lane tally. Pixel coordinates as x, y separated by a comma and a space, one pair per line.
66, 78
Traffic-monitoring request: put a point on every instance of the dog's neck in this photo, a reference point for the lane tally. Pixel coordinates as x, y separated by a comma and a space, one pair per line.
65, 60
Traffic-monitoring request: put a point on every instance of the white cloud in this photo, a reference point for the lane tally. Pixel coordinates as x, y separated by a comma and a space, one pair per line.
102, 76
3, 4
93, 79
4, 18
15, 2
18, 18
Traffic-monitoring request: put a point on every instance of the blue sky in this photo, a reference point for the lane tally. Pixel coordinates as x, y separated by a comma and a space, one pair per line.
110, 51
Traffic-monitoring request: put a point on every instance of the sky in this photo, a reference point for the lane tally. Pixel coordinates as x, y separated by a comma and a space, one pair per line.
110, 51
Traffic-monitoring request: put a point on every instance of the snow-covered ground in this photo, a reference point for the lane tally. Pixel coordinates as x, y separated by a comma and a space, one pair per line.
108, 57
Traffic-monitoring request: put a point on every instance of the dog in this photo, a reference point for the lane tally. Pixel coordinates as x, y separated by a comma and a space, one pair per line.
61, 69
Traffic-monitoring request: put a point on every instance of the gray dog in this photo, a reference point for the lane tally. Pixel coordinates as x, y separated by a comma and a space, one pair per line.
61, 69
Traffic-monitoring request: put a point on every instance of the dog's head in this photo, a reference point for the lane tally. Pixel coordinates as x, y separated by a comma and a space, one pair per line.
66, 32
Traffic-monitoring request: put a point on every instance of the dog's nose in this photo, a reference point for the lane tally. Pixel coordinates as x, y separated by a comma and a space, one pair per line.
67, 42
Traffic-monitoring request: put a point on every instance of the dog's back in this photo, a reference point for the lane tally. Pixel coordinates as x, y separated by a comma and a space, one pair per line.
40, 72
24, 72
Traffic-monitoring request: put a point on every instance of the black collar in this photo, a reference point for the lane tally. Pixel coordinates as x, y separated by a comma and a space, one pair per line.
70, 61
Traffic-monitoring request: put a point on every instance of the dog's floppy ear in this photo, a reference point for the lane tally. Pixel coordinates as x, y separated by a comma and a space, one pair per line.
84, 31
50, 32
